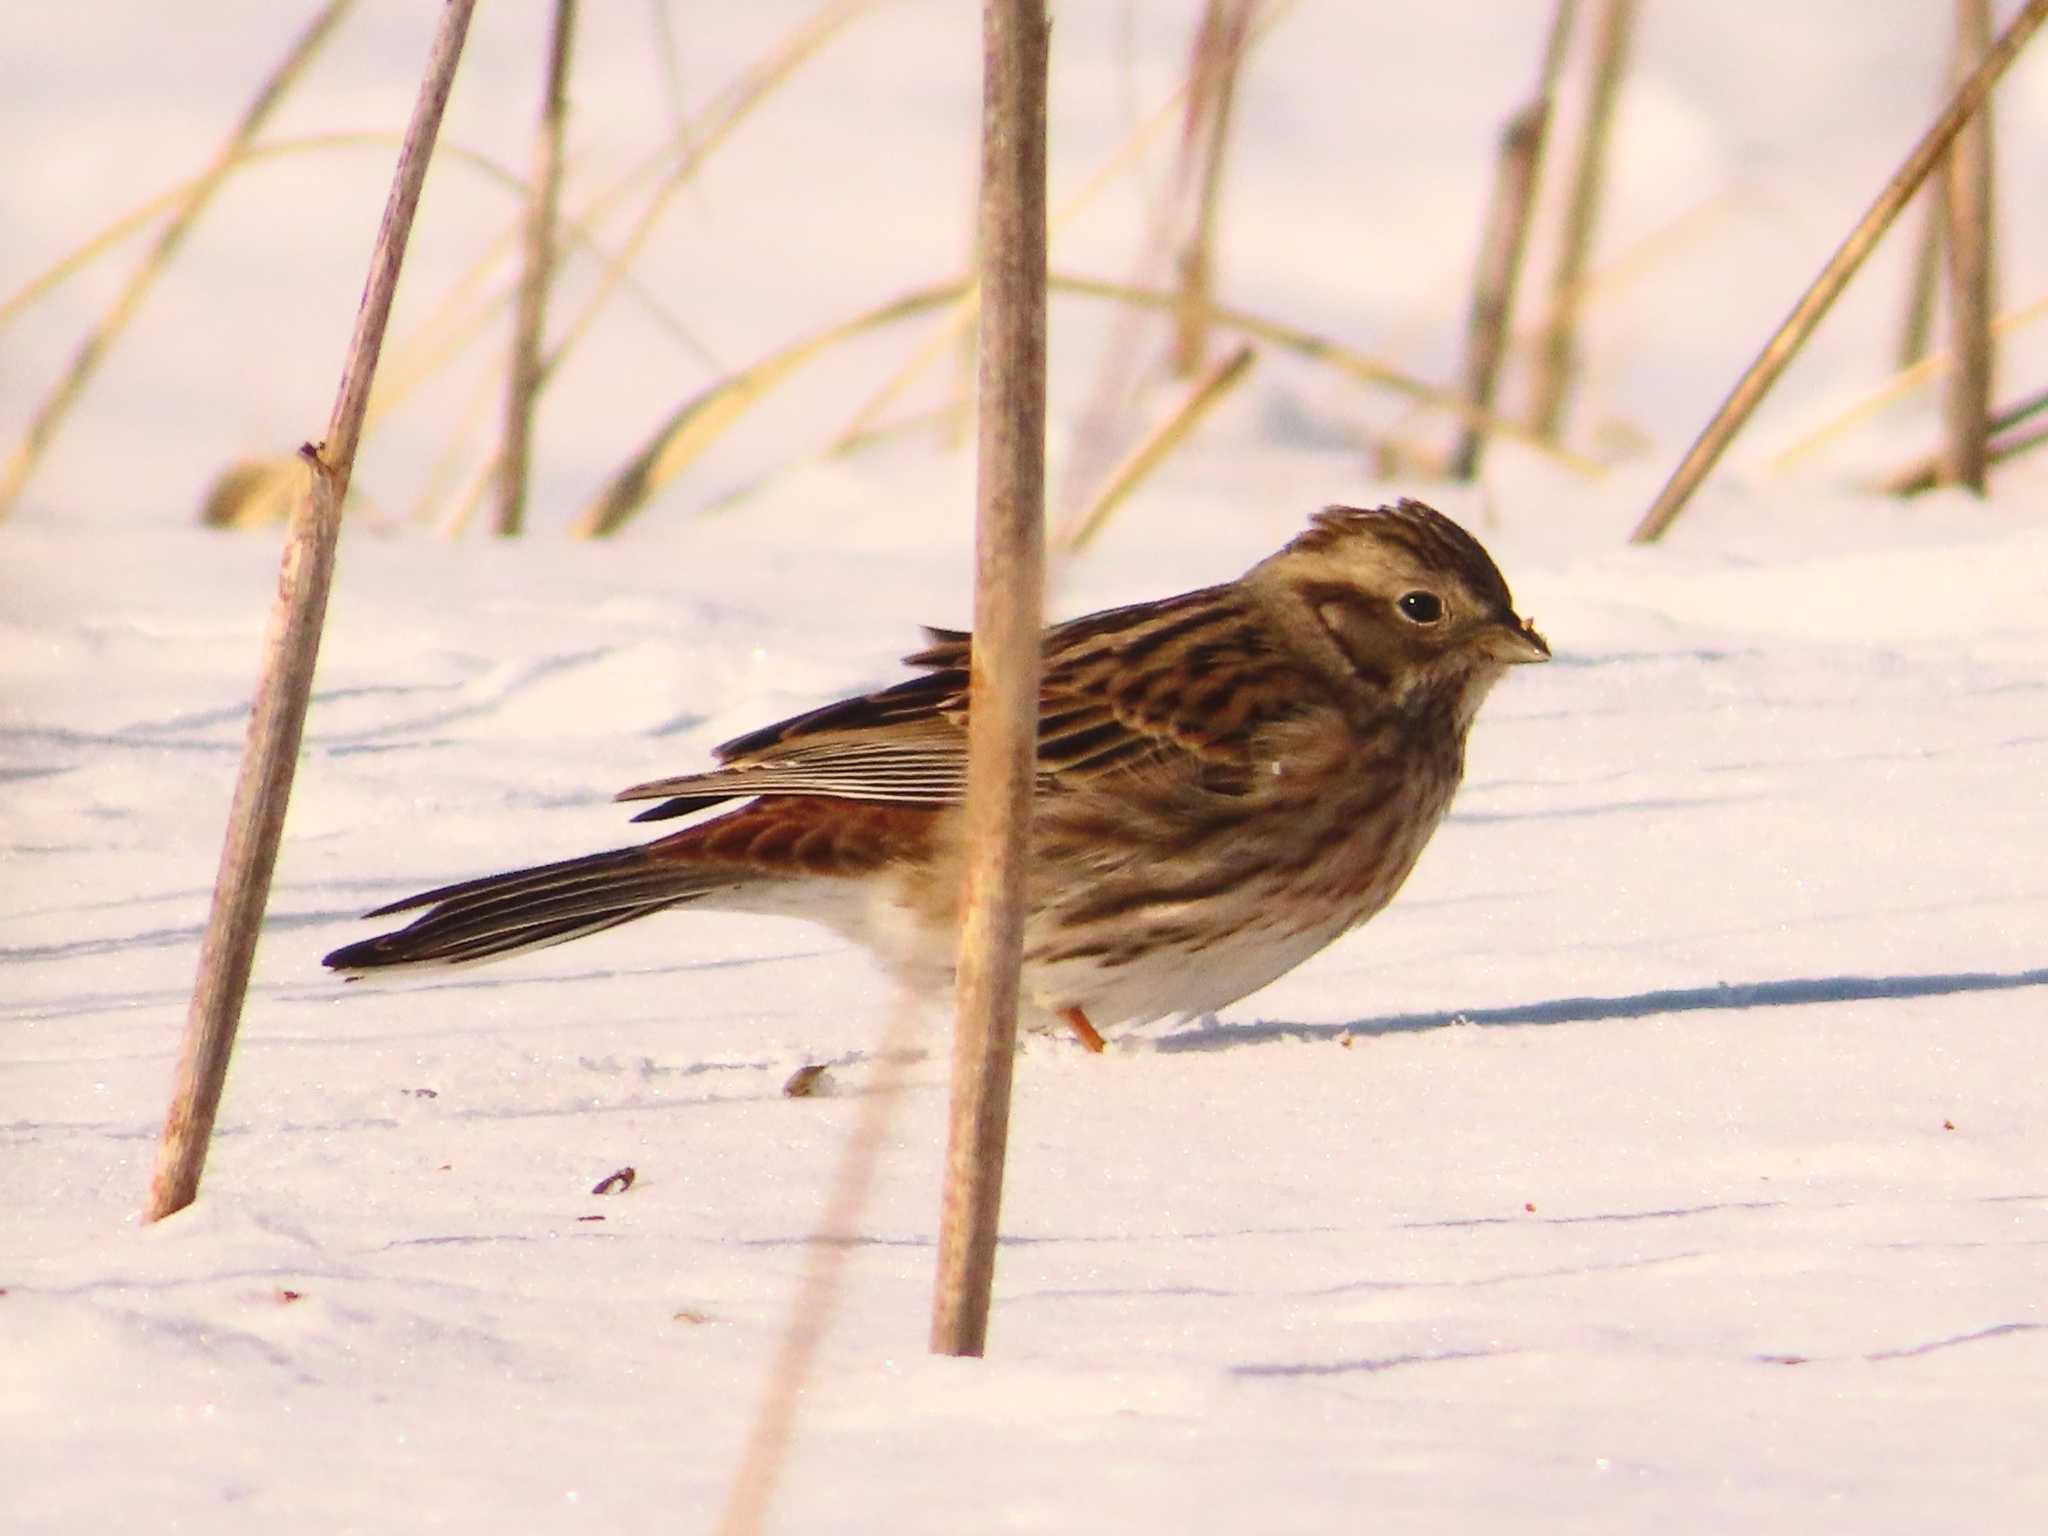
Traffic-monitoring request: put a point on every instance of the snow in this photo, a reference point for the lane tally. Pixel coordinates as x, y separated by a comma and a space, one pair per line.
1669, 1154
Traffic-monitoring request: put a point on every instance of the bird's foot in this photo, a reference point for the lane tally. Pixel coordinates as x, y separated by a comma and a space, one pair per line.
1084, 1032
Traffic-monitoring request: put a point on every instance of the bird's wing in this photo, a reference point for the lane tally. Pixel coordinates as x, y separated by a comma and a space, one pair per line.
1186, 680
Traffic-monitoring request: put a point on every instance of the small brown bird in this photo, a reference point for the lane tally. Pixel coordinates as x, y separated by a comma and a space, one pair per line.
1227, 781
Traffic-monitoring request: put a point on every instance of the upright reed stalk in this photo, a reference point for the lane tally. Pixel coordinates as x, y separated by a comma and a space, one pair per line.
530, 316
1219, 58
1516, 173
1557, 348
1970, 242
1002, 732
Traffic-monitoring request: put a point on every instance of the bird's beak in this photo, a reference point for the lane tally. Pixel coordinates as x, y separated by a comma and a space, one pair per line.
1515, 640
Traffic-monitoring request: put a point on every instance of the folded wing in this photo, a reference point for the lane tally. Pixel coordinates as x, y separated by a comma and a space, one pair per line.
1186, 681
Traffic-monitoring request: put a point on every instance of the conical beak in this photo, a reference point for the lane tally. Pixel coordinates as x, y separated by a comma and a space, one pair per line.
1515, 640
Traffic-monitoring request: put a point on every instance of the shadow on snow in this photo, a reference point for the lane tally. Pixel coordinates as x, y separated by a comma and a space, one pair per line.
1796, 992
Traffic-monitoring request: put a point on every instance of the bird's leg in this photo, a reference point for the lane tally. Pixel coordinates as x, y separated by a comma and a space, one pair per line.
1084, 1032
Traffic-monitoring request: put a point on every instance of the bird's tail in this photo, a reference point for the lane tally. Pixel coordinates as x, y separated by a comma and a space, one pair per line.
526, 909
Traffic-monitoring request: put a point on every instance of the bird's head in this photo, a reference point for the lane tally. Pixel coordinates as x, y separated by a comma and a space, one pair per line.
1410, 602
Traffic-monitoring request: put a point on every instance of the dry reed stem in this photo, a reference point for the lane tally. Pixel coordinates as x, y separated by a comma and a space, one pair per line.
1516, 174
959, 320
1219, 59
106, 238
1354, 364
2006, 449
522, 382
705, 416
1002, 721
1970, 240
1834, 277
1216, 382
1100, 422
1556, 348
387, 394
817, 1294
731, 108
56, 405
1493, 289
671, 67
1916, 333
448, 330
460, 316
291, 649
1935, 365
112, 234
734, 105
1925, 472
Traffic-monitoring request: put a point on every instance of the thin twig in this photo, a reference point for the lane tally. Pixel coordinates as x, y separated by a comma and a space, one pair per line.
291, 649
1556, 350
1002, 730
92, 351
1500, 251
1925, 472
671, 65
1935, 365
1834, 277
1363, 367
522, 381
1970, 243
448, 329
733, 106
1219, 380
705, 416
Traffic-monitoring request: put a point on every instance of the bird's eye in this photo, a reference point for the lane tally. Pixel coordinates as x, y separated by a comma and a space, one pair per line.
1421, 607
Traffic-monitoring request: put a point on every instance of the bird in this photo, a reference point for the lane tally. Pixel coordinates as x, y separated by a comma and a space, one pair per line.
1226, 781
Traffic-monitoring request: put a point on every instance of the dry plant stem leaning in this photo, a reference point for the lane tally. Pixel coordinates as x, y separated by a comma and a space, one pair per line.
1227, 781
1791, 334
278, 717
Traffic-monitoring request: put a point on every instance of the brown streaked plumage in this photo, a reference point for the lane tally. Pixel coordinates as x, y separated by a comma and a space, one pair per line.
1228, 780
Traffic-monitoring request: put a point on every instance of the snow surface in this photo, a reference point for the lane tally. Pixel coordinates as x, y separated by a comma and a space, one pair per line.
1669, 1156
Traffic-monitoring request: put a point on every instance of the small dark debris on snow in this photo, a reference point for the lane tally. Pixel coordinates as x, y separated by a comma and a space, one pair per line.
287, 1297
1948, 1125
590, 1218
423, 1093
804, 1082
614, 1184
692, 1316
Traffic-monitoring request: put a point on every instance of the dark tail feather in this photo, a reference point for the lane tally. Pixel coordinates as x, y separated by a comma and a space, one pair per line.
527, 909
